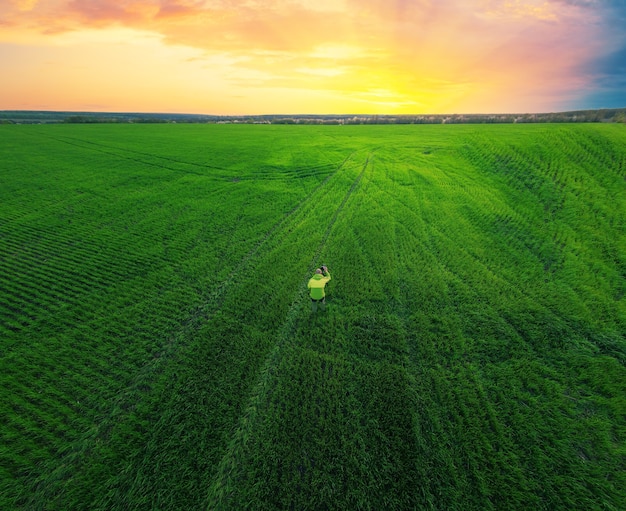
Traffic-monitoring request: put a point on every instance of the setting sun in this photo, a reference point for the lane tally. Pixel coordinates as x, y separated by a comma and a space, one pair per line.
299, 56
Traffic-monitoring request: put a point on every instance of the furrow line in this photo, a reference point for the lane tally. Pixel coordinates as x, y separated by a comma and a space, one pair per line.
218, 492
339, 209
211, 304
83, 144
281, 226
47, 249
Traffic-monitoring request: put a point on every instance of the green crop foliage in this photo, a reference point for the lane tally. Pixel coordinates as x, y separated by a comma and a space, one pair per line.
158, 351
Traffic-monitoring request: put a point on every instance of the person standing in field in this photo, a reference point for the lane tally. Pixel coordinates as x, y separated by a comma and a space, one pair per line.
316, 286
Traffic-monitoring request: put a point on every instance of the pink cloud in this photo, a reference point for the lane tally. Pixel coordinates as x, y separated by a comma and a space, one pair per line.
465, 49
179, 8
99, 12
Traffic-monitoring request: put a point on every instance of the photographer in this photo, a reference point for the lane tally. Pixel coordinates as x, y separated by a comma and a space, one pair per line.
316, 286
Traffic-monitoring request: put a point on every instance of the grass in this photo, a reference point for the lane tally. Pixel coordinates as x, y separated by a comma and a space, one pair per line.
157, 346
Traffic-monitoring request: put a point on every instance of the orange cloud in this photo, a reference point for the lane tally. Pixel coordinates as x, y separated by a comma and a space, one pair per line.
407, 55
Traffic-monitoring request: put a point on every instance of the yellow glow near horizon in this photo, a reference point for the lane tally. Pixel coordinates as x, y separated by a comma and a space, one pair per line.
293, 56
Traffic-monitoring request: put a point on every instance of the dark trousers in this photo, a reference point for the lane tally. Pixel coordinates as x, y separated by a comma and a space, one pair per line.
321, 302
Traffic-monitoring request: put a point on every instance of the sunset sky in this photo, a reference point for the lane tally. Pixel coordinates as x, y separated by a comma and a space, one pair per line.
312, 56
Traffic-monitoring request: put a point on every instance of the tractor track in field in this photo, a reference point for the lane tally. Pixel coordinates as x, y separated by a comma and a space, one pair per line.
145, 375
227, 465
111, 151
488, 269
427, 383
339, 209
270, 172
210, 305
275, 230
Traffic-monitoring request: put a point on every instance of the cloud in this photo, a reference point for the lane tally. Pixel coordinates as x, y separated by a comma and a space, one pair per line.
442, 53
294, 25
25, 5
612, 64
102, 13
604, 69
178, 8
607, 77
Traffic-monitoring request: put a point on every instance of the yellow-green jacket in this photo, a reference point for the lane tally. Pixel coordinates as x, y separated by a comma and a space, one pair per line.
316, 285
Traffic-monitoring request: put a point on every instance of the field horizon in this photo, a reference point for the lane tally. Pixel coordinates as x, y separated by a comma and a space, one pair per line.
159, 351
86, 117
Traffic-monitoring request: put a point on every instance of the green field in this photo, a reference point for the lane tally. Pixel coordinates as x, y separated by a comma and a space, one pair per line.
157, 349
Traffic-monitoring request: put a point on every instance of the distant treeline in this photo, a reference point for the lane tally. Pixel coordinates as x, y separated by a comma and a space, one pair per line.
46, 117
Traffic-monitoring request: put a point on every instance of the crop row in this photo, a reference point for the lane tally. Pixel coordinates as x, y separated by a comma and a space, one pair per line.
236, 323
294, 219
203, 163
572, 242
451, 368
475, 331
448, 340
